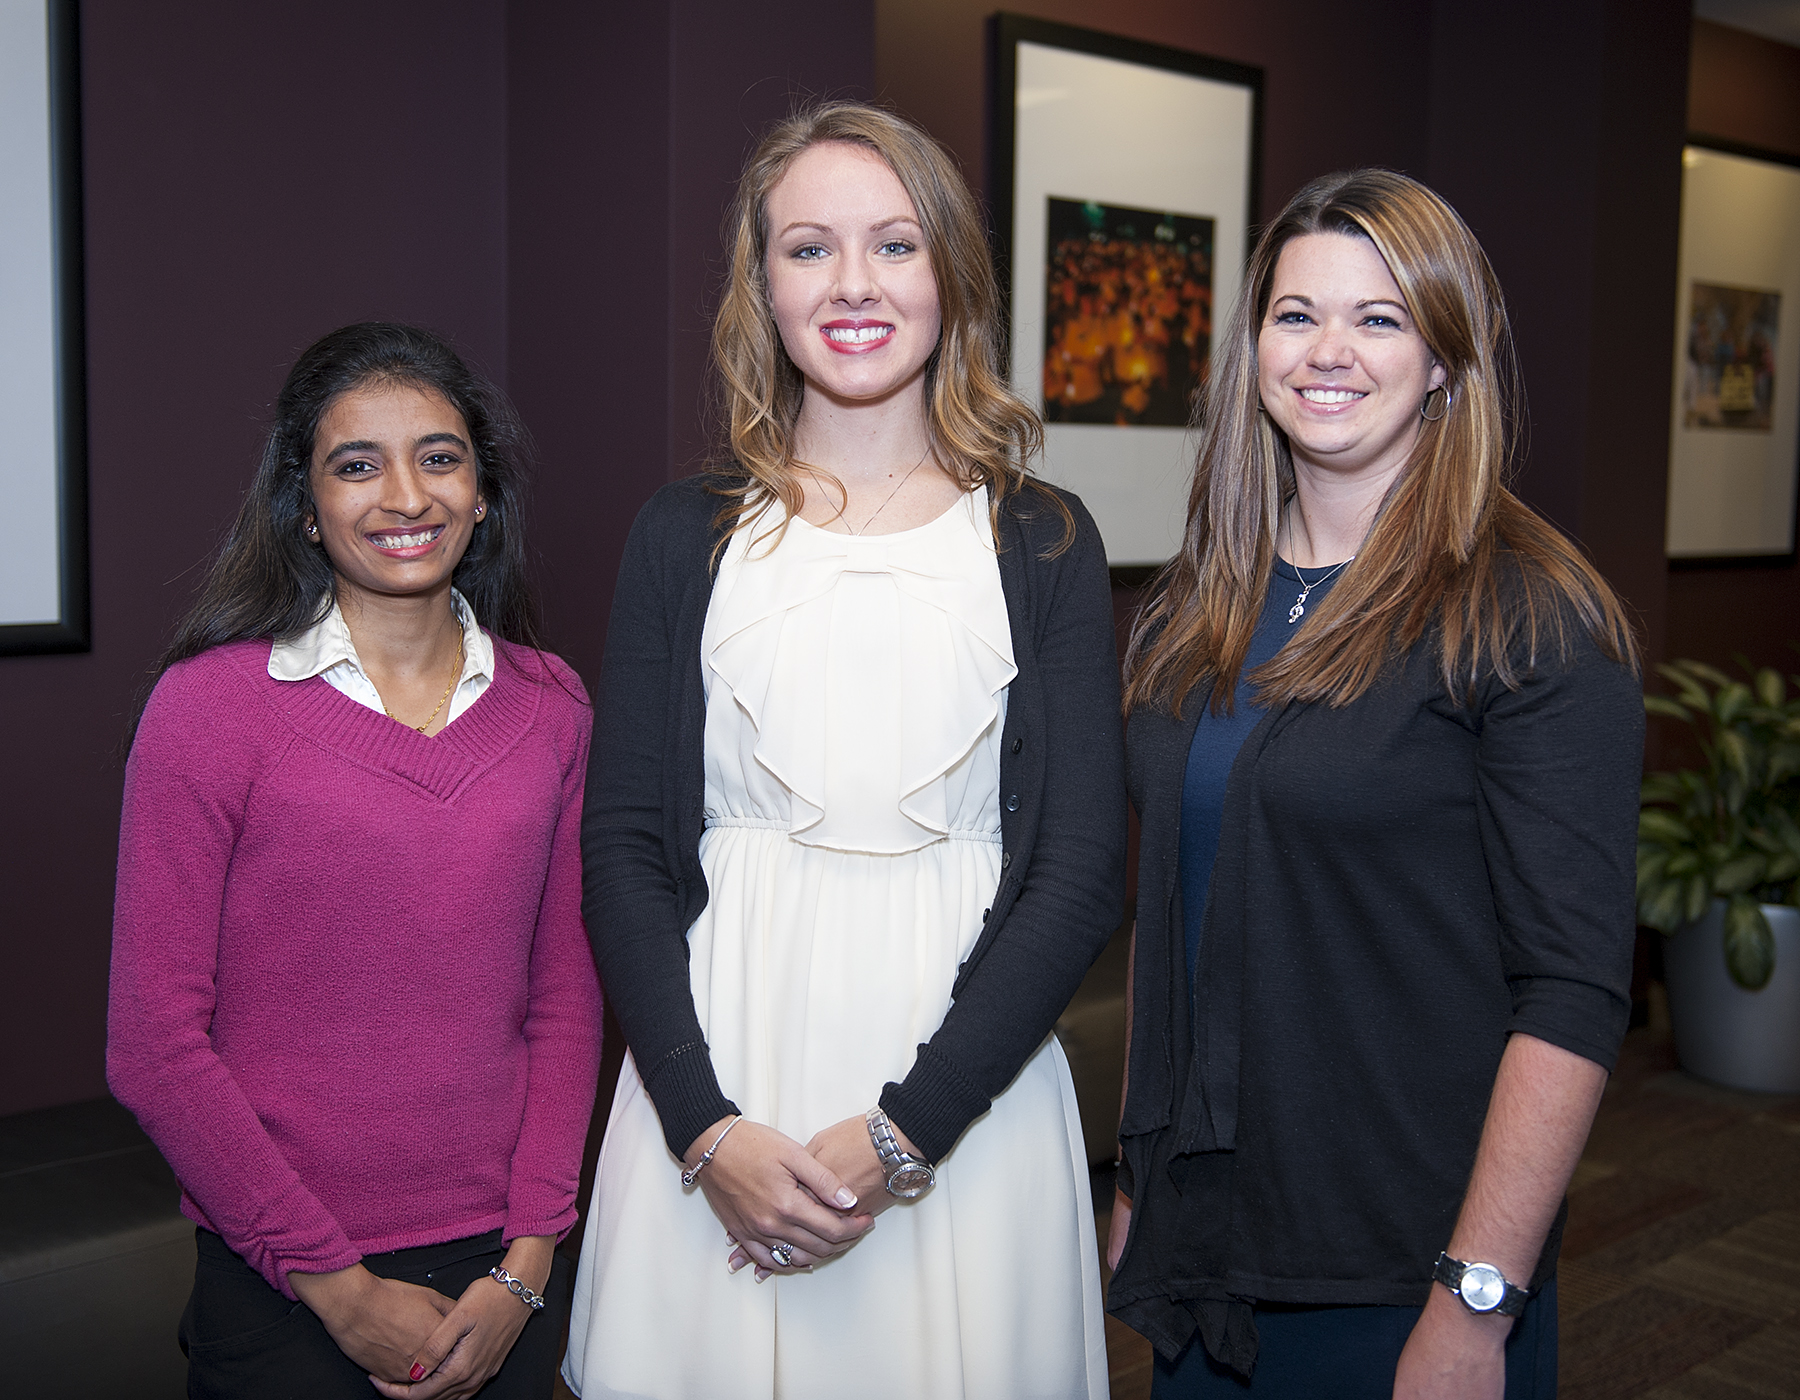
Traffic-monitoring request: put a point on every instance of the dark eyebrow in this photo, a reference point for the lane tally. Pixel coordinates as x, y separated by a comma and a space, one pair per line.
450, 438
1381, 301
345, 449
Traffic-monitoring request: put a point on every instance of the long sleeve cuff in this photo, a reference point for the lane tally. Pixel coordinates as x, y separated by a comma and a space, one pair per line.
933, 1105
685, 1090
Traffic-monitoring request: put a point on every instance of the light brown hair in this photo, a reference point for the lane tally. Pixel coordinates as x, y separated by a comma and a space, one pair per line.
982, 433
1450, 548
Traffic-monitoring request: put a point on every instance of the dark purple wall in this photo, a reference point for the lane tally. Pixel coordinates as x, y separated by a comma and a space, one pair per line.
541, 181
254, 176
1565, 158
1341, 88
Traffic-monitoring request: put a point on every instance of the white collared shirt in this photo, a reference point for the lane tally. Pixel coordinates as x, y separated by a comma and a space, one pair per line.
327, 650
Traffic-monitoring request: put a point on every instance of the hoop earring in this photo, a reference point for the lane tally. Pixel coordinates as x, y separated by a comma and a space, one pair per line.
1443, 404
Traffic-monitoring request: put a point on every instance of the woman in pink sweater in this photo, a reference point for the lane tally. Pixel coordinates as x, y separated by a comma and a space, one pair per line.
352, 999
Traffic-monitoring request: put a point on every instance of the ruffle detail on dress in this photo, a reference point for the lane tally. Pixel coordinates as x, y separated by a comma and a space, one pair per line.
898, 703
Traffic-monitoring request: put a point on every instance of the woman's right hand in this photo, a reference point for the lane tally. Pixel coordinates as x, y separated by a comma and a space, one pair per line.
767, 1189
1118, 1231
379, 1323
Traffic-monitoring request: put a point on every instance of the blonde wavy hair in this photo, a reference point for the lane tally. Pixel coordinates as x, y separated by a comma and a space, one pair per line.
982, 433
1451, 550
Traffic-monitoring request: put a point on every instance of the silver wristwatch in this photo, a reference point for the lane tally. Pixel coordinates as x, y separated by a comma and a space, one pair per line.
907, 1176
1481, 1287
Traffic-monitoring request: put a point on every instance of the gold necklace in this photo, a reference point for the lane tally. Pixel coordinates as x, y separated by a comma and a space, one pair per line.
884, 505
461, 658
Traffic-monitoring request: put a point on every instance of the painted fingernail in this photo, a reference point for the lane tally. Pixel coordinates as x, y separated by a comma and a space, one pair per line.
845, 1197
731, 1239
418, 1371
734, 1263
761, 1274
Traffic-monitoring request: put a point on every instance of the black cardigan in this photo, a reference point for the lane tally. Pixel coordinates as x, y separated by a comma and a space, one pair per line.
1401, 883
1062, 820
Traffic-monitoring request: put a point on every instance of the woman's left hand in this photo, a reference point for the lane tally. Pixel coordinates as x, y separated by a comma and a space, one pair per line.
1452, 1354
846, 1150
472, 1342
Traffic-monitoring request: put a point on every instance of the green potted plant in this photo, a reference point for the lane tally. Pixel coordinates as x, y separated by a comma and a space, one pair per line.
1718, 872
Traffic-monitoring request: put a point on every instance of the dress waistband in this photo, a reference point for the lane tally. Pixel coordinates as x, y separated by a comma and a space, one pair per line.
776, 824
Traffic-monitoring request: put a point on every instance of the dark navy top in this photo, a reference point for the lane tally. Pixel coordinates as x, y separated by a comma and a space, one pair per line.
1218, 737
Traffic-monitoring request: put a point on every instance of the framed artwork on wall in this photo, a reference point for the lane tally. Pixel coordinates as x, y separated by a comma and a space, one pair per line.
1734, 443
43, 450
1124, 179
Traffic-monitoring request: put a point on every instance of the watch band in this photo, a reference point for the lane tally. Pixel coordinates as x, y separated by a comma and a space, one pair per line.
906, 1176
1481, 1288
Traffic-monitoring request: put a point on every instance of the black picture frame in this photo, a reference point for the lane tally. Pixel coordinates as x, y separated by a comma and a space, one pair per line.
1132, 517
71, 631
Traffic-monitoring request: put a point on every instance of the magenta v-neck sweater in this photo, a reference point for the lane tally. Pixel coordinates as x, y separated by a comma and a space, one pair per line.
352, 998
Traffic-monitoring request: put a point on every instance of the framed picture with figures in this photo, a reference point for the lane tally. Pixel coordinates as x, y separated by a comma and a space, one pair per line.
1734, 442
43, 452
1123, 183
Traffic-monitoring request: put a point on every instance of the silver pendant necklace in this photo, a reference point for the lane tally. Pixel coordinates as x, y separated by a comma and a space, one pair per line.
1298, 611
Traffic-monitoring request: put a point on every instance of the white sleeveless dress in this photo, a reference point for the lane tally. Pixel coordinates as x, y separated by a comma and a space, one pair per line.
856, 690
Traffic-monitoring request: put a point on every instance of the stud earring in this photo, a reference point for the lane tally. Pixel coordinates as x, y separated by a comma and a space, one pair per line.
1443, 404
312, 533
480, 510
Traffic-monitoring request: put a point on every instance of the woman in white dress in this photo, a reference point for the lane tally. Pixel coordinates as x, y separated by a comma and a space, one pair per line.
854, 830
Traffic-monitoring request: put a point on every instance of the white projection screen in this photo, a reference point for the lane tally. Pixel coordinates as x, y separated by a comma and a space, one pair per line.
1124, 180
43, 469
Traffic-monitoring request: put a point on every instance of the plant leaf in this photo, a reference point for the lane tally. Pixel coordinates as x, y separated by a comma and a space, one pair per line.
1698, 896
1672, 709
1769, 687
1664, 828
1743, 873
1749, 944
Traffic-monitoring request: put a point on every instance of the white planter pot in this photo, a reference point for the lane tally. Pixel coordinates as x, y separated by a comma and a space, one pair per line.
1748, 1040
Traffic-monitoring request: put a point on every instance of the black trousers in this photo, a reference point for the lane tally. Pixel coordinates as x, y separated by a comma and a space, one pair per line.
1350, 1354
244, 1341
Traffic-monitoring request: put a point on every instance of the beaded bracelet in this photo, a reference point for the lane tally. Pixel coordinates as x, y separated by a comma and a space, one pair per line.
688, 1178
534, 1301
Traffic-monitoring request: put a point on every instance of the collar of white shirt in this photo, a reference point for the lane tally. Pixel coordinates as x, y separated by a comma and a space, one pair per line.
326, 649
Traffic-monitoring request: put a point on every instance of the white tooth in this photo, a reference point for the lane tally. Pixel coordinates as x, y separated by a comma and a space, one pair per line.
858, 335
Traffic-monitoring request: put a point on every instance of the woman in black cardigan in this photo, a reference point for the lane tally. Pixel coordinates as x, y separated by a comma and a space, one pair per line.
1384, 737
855, 831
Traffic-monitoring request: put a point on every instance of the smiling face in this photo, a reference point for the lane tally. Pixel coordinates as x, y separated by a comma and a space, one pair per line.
394, 485
850, 282
1341, 367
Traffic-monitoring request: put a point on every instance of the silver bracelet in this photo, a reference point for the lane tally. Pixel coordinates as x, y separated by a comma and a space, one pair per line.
688, 1178
534, 1301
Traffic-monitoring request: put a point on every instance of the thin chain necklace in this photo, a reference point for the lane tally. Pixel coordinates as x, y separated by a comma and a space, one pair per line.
461, 659
885, 504
1298, 611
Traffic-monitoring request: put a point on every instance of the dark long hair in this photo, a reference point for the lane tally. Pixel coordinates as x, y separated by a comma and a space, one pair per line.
1451, 548
267, 581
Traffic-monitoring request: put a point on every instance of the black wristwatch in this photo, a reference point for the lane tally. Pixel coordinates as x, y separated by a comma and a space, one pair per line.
1481, 1287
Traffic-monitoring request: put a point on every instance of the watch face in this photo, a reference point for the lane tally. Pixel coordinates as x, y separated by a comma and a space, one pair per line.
911, 1180
1482, 1287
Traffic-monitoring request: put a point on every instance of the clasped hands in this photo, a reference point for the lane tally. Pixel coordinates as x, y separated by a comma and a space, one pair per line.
416, 1343
766, 1189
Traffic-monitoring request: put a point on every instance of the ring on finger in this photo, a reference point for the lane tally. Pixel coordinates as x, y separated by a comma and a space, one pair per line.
782, 1254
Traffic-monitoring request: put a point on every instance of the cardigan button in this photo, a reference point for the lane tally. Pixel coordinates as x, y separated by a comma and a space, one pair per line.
1005, 859
984, 915
1012, 803
1017, 744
